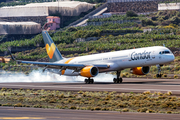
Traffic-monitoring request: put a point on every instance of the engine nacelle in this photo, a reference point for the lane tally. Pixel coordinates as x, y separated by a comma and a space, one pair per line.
89, 71
140, 70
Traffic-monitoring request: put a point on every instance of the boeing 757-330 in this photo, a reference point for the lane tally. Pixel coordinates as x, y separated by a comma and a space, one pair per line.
89, 66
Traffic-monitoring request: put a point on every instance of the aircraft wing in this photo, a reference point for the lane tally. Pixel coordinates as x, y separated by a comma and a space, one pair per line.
64, 66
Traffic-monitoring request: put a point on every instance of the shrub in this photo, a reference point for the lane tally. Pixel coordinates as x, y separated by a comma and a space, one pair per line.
52, 101
164, 75
121, 105
105, 108
125, 110
7, 104
97, 108
9, 89
84, 94
168, 112
71, 29
169, 93
72, 107
142, 110
131, 14
21, 89
163, 105
147, 92
18, 105
3, 89
80, 92
21, 99
150, 111
37, 106
83, 108
61, 96
175, 76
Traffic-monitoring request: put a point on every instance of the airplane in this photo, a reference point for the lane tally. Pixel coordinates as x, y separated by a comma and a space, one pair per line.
89, 66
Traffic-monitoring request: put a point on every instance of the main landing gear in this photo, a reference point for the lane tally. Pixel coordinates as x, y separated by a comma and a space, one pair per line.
89, 81
118, 79
159, 75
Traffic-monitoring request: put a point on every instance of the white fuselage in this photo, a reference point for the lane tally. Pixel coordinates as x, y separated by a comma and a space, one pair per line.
120, 60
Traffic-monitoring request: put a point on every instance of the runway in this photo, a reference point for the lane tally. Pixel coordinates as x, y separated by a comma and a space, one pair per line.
129, 85
60, 114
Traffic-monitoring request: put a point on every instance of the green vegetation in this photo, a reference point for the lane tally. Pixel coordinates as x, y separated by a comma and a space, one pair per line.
107, 101
163, 18
114, 18
131, 14
170, 1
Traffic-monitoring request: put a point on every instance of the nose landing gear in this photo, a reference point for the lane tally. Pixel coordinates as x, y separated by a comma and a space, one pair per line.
89, 81
159, 75
118, 79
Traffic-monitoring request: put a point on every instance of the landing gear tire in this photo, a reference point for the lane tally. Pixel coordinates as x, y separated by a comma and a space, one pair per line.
86, 81
158, 75
119, 80
89, 81
115, 80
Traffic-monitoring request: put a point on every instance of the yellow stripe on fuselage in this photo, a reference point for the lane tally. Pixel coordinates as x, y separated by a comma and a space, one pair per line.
63, 71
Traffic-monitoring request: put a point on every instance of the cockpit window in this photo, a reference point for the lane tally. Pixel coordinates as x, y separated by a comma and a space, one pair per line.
164, 52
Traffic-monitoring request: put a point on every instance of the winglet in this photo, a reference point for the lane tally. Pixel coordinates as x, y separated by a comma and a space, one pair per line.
12, 57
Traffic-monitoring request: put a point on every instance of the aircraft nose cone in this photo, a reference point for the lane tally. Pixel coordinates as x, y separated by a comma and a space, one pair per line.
172, 57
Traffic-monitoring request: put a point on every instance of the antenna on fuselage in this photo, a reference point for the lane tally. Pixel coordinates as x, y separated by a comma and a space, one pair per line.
164, 45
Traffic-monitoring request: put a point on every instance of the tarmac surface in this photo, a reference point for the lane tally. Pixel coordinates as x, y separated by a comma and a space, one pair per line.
59, 114
129, 85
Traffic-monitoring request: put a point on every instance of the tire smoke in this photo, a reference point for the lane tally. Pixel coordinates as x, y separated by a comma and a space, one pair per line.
39, 76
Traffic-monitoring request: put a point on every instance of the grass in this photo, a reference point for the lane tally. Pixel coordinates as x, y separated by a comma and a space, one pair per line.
147, 101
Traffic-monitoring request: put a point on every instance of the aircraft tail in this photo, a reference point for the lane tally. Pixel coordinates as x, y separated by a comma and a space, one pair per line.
51, 49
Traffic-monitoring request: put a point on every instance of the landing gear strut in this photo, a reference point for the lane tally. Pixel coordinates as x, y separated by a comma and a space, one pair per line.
118, 79
89, 81
159, 75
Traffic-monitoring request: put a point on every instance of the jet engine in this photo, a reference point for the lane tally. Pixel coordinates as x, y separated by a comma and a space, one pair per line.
140, 70
89, 71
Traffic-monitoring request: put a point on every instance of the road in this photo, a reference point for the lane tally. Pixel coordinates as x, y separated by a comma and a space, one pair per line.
60, 114
129, 85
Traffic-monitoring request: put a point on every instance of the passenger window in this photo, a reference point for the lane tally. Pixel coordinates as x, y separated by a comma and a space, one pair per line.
159, 52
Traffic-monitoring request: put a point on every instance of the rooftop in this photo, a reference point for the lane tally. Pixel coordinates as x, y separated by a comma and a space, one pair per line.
71, 4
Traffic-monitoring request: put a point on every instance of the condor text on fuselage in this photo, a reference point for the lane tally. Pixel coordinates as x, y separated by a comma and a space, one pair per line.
143, 55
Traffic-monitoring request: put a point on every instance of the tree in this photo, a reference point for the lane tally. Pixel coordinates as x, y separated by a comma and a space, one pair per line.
131, 14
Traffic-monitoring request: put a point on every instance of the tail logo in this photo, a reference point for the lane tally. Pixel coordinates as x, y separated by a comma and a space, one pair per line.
50, 50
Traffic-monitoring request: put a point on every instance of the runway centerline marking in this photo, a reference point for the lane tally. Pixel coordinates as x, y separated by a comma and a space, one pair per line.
92, 88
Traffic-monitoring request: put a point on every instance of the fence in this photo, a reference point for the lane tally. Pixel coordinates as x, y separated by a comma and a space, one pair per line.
102, 16
118, 21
